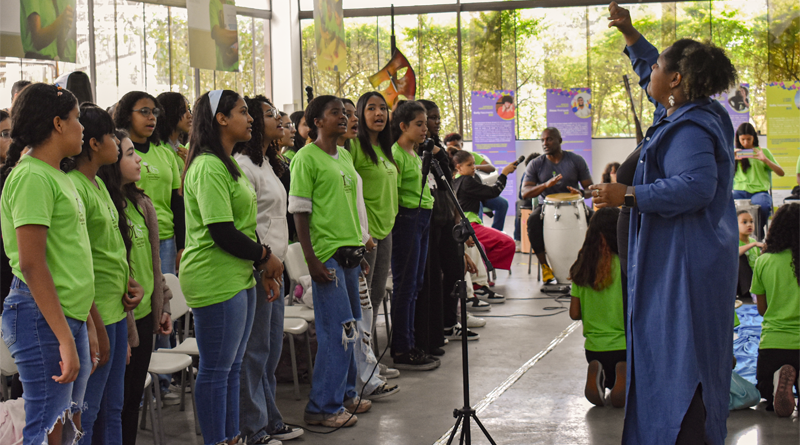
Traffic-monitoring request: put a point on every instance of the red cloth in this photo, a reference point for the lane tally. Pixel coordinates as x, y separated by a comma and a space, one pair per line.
499, 247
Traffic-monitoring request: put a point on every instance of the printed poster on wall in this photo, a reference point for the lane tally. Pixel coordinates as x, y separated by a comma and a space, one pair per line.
212, 24
570, 111
737, 102
493, 133
783, 132
22, 25
329, 33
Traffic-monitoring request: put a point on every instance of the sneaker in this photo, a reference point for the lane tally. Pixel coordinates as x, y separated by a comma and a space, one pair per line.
384, 391
437, 352
175, 388
266, 440
389, 373
517, 246
547, 275
473, 321
595, 384
618, 391
485, 294
358, 405
476, 305
454, 333
415, 360
783, 381
170, 399
287, 433
339, 420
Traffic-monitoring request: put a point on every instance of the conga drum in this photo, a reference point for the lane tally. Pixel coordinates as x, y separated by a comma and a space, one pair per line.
564, 219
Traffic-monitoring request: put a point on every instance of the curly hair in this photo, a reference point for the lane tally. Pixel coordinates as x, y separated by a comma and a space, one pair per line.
784, 233
452, 137
705, 68
124, 110
296, 118
610, 167
255, 146
593, 266
746, 128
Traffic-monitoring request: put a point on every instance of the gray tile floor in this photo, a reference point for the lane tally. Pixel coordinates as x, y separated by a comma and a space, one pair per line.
545, 406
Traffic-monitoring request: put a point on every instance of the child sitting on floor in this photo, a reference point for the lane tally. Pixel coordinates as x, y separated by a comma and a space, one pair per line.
749, 250
776, 283
597, 300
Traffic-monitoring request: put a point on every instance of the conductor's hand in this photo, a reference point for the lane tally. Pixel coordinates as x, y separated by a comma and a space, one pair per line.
620, 18
608, 195
510, 168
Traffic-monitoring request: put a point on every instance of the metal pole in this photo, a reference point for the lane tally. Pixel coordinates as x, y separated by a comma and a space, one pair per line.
255, 72
460, 72
196, 83
169, 46
92, 56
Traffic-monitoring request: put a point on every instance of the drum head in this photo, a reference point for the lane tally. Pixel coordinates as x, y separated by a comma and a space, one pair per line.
563, 197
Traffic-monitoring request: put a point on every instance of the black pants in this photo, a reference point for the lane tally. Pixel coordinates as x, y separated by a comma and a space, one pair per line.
769, 361
452, 271
428, 328
745, 278
609, 360
135, 375
693, 426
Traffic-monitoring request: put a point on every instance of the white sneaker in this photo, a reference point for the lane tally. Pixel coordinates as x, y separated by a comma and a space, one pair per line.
473, 321
170, 399
454, 333
387, 372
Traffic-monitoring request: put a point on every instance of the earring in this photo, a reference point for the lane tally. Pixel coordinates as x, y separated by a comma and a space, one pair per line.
671, 100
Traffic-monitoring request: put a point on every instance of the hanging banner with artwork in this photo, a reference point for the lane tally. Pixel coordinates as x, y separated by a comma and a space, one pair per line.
570, 111
34, 29
329, 33
212, 24
405, 85
493, 133
737, 102
783, 132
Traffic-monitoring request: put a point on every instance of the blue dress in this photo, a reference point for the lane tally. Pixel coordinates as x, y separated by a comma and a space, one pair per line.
682, 269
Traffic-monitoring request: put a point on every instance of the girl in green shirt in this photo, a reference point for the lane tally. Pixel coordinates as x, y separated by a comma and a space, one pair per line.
222, 250
174, 126
46, 323
597, 300
749, 249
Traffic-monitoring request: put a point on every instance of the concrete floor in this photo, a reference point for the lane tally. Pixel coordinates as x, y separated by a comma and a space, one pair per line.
545, 406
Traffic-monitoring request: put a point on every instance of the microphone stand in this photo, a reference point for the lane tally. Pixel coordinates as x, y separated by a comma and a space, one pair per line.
461, 233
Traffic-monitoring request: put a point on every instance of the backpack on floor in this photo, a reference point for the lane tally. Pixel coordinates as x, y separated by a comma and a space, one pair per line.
743, 393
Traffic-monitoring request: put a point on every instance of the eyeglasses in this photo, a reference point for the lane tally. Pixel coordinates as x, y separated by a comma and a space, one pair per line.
288, 125
273, 112
5, 134
146, 112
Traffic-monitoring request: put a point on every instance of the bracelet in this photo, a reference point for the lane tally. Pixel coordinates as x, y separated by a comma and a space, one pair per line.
266, 257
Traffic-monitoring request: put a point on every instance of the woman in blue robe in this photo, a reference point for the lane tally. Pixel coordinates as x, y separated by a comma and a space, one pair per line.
682, 254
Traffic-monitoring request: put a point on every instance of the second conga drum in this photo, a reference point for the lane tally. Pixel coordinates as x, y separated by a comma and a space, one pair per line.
564, 218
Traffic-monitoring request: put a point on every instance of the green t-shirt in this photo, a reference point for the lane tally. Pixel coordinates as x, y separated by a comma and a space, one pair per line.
161, 175
756, 179
209, 275
331, 185
601, 312
473, 217
109, 255
797, 169
141, 258
36, 193
752, 254
773, 276
380, 189
478, 158
409, 183
48, 13
216, 8
290, 154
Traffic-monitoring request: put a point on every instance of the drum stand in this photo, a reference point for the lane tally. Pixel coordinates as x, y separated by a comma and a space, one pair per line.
461, 233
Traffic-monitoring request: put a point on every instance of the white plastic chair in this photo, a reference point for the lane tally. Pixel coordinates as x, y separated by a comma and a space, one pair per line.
292, 327
296, 267
168, 363
7, 367
148, 396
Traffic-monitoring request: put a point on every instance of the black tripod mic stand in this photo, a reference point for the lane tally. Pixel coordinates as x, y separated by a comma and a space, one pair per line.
461, 233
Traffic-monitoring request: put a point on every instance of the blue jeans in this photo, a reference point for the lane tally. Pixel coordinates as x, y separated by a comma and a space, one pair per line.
222, 331
761, 199
36, 353
337, 307
105, 392
409, 253
259, 414
500, 207
167, 252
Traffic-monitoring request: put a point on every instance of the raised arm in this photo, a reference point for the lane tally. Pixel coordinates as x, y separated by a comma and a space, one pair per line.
642, 53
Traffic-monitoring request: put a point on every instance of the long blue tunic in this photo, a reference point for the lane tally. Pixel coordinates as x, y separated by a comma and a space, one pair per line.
682, 269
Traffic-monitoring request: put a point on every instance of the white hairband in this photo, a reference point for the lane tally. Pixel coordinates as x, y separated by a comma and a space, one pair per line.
213, 98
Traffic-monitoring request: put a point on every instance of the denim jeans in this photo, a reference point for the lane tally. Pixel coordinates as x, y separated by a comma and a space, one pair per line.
380, 264
105, 392
36, 353
500, 207
761, 199
259, 415
367, 379
409, 254
222, 331
167, 253
337, 307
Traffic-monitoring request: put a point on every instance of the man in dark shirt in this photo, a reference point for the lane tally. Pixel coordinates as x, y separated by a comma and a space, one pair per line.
556, 172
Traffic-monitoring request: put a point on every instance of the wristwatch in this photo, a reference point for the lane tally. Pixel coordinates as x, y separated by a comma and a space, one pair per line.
630, 198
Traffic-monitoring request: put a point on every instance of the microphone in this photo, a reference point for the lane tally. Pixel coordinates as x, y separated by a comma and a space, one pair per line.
519, 161
426, 165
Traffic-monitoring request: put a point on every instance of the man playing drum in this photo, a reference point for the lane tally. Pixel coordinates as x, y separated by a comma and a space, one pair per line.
556, 172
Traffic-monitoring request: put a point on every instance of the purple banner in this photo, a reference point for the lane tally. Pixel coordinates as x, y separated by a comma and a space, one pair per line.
493, 134
570, 111
737, 102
